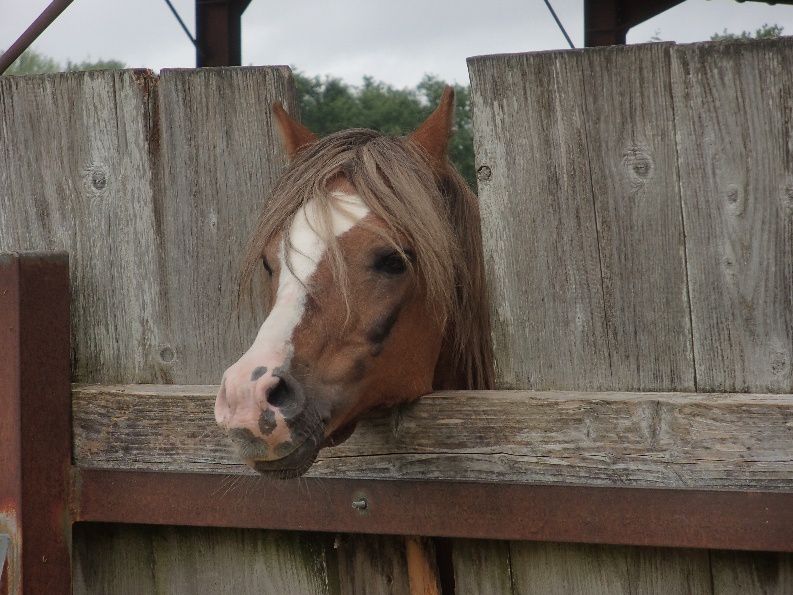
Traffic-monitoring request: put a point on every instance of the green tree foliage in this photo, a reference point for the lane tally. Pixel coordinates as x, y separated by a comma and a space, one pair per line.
765, 32
329, 104
98, 65
33, 62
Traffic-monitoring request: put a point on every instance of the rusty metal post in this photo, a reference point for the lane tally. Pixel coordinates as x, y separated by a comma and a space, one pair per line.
219, 32
35, 423
603, 23
606, 22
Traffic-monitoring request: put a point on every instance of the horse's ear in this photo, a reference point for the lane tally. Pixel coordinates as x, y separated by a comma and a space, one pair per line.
294, 135
433, 135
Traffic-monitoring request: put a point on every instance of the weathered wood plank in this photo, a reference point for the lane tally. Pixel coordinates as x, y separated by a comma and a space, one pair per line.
76, 174
153, 186
482, 567
371, 565
741, 573
733, 103
219, 160
581, 219
567, 569
652, 439
188, 560
538, 222
630, 138
112, 559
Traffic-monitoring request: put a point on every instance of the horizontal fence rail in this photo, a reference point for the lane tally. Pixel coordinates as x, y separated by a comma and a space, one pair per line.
664, 440
628, 468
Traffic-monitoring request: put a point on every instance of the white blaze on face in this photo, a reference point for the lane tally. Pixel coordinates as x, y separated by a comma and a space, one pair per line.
274, 340
239, 403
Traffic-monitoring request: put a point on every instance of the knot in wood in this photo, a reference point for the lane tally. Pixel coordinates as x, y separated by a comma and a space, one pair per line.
167, 354
96, 178
484, 173
639, 165
779, 363
734, 199
787, 198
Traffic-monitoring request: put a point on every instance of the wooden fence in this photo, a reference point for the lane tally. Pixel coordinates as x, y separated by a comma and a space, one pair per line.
638, 225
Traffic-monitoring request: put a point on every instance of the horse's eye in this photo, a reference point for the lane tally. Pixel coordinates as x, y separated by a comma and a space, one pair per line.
391, 263
266, 266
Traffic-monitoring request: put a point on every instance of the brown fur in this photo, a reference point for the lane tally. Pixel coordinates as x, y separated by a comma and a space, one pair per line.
431, 207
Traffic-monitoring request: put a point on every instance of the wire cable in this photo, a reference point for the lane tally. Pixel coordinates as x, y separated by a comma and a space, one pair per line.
555, 18
181, 23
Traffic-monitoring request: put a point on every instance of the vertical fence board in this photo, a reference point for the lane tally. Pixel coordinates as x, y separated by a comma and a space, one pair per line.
569, 569
372, 565
220, 158
190, 560
482, 567
742, 573
633, 164
584, 244
538, 222
733, 108
76, 175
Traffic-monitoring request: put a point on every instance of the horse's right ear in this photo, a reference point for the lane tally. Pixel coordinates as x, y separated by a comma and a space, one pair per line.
294, 135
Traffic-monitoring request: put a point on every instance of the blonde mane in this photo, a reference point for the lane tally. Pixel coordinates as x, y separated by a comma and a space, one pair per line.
435, 212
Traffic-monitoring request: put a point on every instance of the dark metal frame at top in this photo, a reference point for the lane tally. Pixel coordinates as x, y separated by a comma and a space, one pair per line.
218, 35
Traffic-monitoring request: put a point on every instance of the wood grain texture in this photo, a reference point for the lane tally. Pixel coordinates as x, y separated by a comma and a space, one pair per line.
581, 219
423, 576
538, 222
219, 159
189, 560
482, 566
630, 138
76, 174
733, 104
699, 133
740, 573
153, 185
651, 439
567, 569
371, 565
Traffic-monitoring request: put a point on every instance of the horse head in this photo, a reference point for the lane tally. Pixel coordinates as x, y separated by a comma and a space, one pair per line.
371, 253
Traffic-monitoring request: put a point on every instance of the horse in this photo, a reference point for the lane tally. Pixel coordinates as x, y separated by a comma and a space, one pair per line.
370, 249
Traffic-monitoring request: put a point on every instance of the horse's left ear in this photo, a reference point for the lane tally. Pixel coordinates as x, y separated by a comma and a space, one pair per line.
294, 135
433, 135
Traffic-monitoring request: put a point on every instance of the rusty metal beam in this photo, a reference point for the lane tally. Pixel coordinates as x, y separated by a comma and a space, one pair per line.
35, 422
219, 32
36, 28
606, 22
629, 516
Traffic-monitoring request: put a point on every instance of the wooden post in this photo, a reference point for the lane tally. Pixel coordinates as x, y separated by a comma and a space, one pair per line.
35, 424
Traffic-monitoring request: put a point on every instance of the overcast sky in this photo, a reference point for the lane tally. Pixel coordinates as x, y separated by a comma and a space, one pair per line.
393, 41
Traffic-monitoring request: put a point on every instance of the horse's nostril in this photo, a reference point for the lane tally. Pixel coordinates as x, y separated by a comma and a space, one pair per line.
286, 396
279, 395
